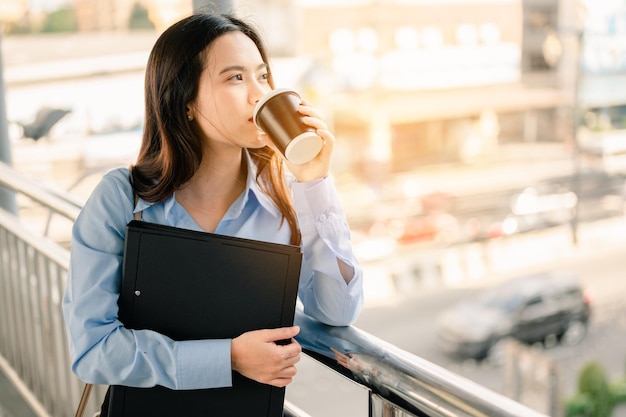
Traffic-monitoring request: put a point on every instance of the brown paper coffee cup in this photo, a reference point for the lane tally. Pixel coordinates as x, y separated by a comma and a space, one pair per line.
277, 115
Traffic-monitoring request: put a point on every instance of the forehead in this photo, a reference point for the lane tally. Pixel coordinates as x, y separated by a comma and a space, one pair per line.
232, 49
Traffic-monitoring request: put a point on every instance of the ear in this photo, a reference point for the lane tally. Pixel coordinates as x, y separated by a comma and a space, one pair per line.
190, 112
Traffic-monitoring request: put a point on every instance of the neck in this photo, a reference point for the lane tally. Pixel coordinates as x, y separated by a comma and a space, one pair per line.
220, 178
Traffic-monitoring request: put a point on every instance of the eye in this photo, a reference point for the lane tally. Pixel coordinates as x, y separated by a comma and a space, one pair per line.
236, 77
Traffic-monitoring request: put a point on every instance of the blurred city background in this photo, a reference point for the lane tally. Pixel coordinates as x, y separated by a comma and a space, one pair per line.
476, 141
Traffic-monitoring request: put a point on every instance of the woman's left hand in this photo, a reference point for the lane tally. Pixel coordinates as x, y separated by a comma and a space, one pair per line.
318, 167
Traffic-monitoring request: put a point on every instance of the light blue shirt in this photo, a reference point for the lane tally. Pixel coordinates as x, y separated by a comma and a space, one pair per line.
103, 351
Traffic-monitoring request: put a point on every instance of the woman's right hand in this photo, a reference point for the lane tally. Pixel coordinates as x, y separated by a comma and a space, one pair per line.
258, 356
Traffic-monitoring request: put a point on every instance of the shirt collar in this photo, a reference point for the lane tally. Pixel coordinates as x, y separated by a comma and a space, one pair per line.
253, 187
171, 206
141, 205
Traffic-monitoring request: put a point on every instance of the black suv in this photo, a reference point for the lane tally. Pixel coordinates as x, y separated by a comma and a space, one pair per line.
529, 309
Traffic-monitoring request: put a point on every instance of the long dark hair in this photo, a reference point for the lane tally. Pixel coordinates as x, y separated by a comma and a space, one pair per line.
171, 151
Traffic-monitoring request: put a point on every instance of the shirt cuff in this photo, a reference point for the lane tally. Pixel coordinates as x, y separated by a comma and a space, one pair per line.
316, 201
204, 364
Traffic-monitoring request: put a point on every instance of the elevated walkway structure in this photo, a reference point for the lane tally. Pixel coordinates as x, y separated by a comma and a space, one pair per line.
34, 352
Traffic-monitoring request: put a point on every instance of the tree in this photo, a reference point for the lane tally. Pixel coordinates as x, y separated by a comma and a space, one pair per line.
139, 18
595, 397
61, 20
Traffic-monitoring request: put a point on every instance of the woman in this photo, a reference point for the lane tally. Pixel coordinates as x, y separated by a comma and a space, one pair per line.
203, 165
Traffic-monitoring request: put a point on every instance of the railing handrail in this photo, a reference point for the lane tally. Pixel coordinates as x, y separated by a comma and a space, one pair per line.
410, 382
57, 200
402, 379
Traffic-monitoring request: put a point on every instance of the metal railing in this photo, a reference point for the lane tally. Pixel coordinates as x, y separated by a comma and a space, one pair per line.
33, 342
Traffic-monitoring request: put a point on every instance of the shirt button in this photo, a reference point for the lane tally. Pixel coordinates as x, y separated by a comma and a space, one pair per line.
323, 217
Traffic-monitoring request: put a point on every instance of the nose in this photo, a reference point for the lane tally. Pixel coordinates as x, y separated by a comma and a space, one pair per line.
258, 90
256, 95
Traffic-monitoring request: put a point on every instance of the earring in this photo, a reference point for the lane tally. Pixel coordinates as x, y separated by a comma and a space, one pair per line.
189, 117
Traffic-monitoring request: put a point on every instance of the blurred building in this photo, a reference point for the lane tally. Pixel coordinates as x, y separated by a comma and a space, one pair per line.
539, 85
98, 15
422, 82
416, 82
602, 86
12, 11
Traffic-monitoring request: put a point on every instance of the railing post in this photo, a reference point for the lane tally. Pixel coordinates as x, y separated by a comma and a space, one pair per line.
379, 407
7, 197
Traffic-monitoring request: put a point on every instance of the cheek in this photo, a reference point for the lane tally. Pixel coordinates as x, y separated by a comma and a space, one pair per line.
220, 122
208, 111
223, 115
205, 98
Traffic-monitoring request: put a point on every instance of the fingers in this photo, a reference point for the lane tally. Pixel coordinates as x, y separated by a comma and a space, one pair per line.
318, 167
258, 356
286, 369
282, 333
285, 379
328, 138
312, 117
315, 123
306, 103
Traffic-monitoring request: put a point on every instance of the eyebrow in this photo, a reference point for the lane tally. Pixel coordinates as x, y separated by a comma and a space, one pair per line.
241, 68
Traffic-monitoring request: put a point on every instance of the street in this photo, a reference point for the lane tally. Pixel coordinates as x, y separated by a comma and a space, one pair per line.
407, 320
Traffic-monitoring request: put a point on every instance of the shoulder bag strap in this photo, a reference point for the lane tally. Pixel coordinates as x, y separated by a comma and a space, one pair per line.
83, 400
138, 214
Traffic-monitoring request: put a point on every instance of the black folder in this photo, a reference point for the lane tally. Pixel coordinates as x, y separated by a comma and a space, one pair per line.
192, 285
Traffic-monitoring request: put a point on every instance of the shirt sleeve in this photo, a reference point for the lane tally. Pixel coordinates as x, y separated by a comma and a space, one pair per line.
102, 350
326, 239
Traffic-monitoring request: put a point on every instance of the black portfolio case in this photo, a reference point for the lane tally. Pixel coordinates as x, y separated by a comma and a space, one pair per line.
192, 285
